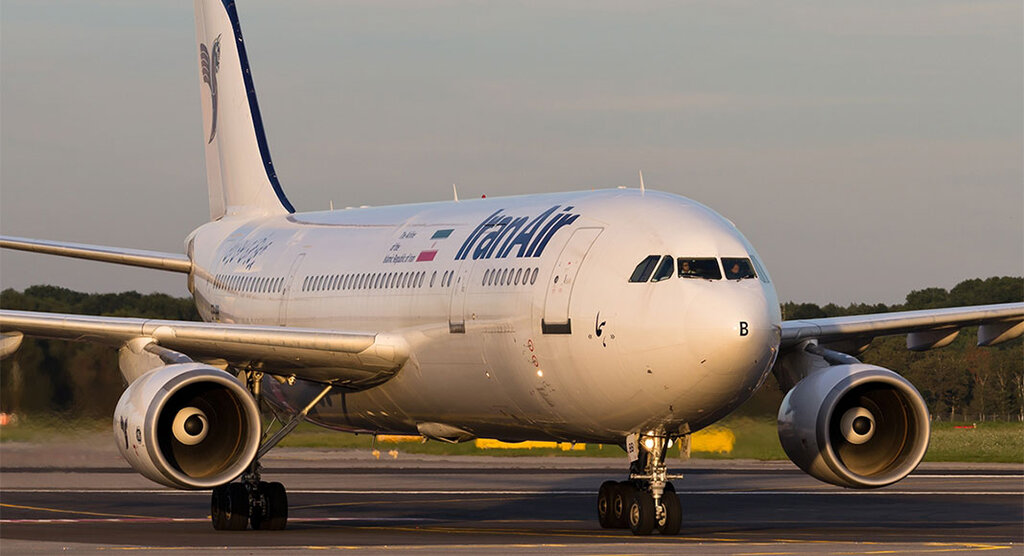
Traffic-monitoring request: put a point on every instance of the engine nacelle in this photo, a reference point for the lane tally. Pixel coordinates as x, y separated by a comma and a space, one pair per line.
187, 426
857, 426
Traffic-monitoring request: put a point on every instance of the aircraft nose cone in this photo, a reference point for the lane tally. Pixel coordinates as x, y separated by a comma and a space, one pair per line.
735, 332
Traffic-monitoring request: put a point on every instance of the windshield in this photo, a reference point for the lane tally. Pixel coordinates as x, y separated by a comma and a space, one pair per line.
699, 268
738, 269
643, 270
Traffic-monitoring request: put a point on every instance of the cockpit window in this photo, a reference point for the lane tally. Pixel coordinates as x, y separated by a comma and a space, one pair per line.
665, 269
699, 268
644, 270
738, 269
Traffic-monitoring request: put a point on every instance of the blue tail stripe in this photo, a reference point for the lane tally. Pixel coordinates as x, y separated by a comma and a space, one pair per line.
254, 108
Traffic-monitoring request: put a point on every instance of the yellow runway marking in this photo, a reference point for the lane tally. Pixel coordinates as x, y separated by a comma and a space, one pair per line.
520, 546
77, 512
938, 547
942, 547
588, 534
427, 501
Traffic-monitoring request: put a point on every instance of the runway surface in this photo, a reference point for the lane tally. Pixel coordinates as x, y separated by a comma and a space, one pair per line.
83, 499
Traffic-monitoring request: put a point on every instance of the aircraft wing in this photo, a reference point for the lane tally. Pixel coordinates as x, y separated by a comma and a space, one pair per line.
353, 359
925, 329
131, 257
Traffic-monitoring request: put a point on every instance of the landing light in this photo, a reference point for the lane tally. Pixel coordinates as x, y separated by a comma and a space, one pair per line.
648, 443
540, 372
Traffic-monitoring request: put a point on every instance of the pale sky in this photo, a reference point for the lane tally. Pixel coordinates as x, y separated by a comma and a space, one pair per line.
865, 148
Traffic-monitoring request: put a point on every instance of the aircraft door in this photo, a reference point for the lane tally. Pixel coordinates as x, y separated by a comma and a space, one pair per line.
457, 309
286, 292
559, 291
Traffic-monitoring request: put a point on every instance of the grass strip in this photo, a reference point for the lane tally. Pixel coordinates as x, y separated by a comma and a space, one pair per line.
755, 438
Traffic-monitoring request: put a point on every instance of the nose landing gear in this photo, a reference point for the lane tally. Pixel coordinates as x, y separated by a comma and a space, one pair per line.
647, 501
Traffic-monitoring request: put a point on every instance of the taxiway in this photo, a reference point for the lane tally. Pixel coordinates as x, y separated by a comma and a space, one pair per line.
82, 498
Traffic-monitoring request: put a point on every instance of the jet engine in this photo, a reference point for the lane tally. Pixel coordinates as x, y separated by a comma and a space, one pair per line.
187, 426
855, 425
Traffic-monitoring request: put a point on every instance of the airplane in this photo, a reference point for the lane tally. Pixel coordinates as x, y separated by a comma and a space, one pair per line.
625, 317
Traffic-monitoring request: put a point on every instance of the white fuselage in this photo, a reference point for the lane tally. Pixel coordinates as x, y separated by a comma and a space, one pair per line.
519, 311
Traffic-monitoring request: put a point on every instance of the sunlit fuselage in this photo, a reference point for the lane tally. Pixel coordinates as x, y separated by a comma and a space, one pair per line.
519, 311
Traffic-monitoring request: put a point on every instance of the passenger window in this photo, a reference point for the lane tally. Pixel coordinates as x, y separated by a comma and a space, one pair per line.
738, 269
699, 268
643, 271
666, 269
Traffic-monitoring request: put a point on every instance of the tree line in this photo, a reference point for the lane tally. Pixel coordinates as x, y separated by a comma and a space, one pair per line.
76, 379
957, 380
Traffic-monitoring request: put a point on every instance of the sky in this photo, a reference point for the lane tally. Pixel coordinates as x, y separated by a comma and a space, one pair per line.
866, 149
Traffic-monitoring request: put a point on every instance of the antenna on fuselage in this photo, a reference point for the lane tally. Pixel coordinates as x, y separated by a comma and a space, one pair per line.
455, 192
642, 190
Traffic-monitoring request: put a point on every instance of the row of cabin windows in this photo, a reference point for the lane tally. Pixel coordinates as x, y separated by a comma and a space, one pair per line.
253, 284
510, 276
655, 268
366, 281
329, 282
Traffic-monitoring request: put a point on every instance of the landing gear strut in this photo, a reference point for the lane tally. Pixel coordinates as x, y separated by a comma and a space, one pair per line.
235, 506
647, 501
252, 502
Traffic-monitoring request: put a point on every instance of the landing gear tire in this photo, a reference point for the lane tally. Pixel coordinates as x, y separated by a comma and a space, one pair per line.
218, 503
641, 513
604, 504
622, 494
229, 507
672, 516
270, 513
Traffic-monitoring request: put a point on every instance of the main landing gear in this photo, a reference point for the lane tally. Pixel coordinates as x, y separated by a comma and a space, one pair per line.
647, 501
252, 502
263, 505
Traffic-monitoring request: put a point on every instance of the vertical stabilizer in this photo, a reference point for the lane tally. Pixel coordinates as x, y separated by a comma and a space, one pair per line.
240, 174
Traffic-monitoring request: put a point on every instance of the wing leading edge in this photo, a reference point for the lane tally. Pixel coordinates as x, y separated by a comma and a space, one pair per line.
925, 329
131, 257
352, 359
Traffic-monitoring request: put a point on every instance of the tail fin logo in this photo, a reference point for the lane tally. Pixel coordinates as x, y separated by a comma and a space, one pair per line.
209, 59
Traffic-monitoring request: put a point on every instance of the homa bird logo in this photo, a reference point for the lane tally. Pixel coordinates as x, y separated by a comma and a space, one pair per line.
502, 233
209, 59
